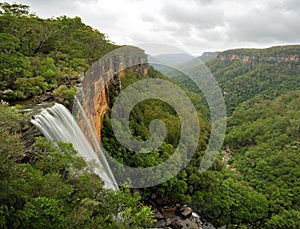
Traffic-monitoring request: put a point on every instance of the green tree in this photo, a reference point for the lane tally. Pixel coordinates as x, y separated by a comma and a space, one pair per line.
13, 64
287, 219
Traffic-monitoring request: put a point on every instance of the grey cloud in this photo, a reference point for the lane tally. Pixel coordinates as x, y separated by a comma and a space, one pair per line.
205, 2
288, 5
265, 26
54, 7
199, 16
149, 18
49, 8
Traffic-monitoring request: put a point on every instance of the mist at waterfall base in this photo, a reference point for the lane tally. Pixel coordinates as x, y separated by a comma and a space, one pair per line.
58, 124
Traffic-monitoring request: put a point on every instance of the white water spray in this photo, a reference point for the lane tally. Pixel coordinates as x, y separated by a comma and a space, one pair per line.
58, 124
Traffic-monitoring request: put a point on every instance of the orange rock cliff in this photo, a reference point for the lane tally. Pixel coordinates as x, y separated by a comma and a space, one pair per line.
93, 94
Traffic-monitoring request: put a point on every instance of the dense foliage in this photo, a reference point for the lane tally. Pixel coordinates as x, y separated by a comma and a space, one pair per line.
263, 130
219, 195
242, 81
265, 136
261, 92
51, 186
45, 186
56, 188
39, 55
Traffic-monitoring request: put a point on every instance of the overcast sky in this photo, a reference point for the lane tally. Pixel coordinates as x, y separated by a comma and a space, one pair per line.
192, 25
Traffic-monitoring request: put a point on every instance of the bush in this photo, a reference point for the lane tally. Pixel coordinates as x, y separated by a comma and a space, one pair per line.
28, 87
65, 95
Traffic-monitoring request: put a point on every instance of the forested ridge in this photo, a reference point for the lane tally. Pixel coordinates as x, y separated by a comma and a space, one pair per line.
254, 183
261, 91
263, 131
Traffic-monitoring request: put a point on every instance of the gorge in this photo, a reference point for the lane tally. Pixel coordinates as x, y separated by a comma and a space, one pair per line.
90, 105
45, 185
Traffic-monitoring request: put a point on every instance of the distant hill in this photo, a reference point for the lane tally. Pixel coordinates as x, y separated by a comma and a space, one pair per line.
245, 73
165, 63
207, 56
171, 59
181, 58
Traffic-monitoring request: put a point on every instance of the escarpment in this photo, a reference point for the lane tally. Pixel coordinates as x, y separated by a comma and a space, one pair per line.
93, 94
289, 55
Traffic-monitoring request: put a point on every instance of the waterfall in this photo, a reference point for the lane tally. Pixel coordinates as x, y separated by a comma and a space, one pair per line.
58, 124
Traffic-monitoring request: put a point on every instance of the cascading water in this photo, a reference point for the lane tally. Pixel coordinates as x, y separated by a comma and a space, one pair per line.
58, 124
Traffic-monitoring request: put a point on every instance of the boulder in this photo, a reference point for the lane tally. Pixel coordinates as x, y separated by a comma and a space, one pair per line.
176, 224
188, 224
186, 212
158, 215
168, 212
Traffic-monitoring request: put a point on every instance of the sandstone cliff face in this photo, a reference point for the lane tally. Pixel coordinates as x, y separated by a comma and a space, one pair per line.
280, 54
93, 94
258, 58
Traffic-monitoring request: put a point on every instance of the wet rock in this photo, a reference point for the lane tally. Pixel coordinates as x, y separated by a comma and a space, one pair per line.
161, 223
46, 97
207, 225
168, 212
196, 218
174, 216
158, 215
188, 224
168, 222
176, 224
186, 212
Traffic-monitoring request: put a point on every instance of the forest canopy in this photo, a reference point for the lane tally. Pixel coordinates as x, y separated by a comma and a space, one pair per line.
253, 183
39, 55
